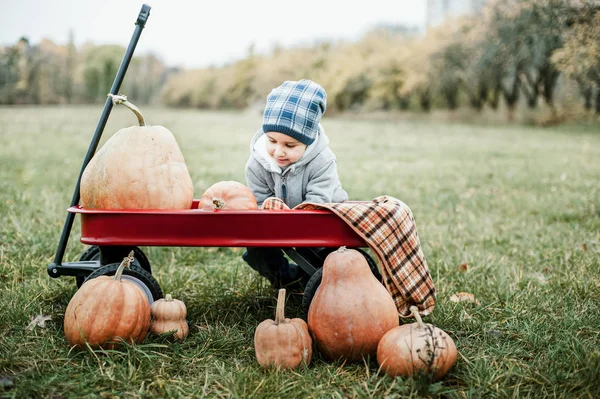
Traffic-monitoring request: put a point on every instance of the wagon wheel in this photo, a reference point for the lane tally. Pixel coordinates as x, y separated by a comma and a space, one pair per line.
315, 280
93, 253
134, 274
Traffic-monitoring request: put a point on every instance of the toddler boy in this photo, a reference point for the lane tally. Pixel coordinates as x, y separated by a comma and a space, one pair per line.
290, 159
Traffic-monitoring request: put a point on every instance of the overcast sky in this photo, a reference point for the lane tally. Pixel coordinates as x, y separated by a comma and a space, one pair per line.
201, 32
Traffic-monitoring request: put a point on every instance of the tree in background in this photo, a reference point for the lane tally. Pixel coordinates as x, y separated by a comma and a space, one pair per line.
541, 25
100, 67
579, 58
49, 73
52, 74
384, 68
28, 85
240, 90
448, 65
9, 74
385, 91
416, 57
518, 39
145, 77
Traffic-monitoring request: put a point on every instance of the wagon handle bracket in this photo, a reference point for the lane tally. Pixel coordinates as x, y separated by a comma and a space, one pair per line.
143, 16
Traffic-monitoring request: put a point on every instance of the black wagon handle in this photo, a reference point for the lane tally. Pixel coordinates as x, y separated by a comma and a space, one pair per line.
64, 238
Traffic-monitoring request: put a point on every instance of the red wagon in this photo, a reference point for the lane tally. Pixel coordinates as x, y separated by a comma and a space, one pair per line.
308, 238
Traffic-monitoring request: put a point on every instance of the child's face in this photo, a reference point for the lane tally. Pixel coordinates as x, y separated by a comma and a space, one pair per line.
284, 149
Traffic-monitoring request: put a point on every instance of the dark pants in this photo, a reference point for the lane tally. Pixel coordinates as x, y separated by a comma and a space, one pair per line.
275, 267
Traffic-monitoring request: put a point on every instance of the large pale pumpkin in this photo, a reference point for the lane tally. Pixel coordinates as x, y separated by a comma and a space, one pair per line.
168, 315
227, 195
106, 309
282, 342
139, 167
351, 309
416, 348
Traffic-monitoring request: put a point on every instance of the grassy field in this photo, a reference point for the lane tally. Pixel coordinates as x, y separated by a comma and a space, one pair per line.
520, 206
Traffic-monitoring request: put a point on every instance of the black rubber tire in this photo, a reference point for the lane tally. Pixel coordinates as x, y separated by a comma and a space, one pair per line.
310, 290
93, 253
136, 275
315, 280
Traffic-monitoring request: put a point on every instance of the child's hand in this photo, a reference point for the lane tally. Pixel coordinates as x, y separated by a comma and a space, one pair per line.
274, 204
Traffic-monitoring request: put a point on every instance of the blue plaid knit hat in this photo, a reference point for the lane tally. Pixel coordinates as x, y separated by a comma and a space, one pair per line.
295, 109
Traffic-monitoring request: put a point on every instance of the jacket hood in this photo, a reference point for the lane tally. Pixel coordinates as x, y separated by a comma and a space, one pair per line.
259, 151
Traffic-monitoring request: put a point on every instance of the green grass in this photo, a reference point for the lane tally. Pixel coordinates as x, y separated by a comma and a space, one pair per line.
516, 204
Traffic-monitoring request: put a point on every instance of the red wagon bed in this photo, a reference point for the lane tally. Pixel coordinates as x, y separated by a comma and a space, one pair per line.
198, 228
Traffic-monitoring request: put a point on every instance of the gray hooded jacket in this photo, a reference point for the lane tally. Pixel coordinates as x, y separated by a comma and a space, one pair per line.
313, 178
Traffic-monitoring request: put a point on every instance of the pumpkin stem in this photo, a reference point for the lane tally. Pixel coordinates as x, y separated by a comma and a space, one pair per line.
218, 203
126, 262
280, 310
168, 298
416, 315
121, 99
342, 249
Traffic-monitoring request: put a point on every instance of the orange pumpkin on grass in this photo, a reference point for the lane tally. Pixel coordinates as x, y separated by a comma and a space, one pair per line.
416, 348
107, 309
168, 315
282, 342
351, 309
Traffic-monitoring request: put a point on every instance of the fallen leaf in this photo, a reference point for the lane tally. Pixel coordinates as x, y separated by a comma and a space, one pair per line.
464, 297
39, 320
463, 267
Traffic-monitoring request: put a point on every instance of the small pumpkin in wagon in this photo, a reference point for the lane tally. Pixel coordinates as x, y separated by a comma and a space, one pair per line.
139, 167
107, 309
227, 195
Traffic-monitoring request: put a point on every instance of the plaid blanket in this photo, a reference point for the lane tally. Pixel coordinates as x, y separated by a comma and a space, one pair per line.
387, 225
